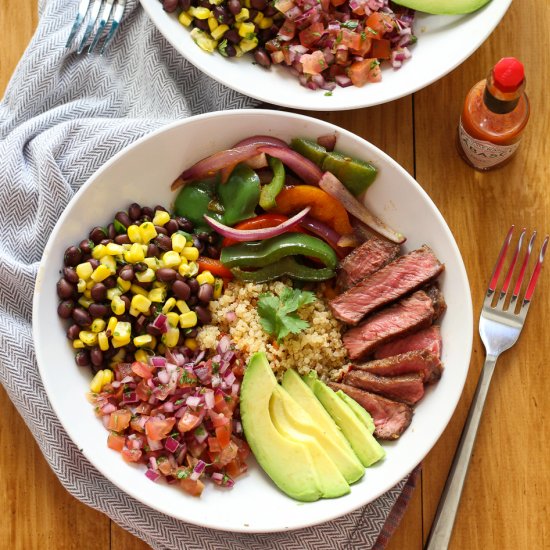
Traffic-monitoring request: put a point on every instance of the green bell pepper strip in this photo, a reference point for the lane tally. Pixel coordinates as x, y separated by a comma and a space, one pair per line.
240, 195
270, 191
268, 251
287, 266
193, 200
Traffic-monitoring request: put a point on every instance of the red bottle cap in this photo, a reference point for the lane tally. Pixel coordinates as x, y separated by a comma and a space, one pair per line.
508, 74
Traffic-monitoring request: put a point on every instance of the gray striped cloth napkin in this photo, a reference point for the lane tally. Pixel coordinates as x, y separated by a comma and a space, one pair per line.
62, 117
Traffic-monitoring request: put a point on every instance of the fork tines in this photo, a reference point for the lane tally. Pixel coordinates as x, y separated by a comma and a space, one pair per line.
517, 287
111, 16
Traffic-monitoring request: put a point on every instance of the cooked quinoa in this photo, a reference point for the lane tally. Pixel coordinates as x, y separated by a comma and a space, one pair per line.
318, 347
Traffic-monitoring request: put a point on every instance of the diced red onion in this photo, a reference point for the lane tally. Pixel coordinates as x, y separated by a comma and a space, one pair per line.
217, 477
343, 80
152, 475
235, 388
203, 374
108, 408
197, 470
229, 378
216, 381
230, 316
168, 407
238, 427
203, 436
129, 397
161, 323
193, 401
153, 463
163, 376
209, 400
171, 445
126, 379
228, 482
158, 361
199, 357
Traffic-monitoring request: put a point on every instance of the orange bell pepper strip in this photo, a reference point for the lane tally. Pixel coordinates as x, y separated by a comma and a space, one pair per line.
214, 266
324, 208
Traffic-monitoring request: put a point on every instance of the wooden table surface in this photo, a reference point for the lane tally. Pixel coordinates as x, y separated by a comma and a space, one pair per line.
505, 504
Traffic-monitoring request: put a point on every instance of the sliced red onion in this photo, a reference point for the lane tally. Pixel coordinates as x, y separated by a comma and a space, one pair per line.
152, 475
261, 140
304, 168
154, 445
349, 241
334, 187
171, 445
243, 235
258, 161
197, 470
326, 233
328, 141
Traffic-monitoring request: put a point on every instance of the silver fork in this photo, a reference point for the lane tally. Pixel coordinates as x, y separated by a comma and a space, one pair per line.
499, 327
113, 10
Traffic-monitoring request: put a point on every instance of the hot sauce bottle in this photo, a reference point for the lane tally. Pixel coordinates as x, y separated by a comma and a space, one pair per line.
494, 116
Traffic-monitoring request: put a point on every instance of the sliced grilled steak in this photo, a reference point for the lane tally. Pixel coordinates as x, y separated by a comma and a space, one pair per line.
365, 260
421, 362
428, 339
386, 285
390, 418
410, 314
438, 300
408, 388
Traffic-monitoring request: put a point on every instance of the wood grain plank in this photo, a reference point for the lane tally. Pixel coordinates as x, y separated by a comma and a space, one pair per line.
502, 505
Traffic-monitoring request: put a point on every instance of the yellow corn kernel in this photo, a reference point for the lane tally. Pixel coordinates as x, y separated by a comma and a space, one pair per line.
90, 283
203, 40
200, 13
135, 254
114, 249
122, 330
182, 306
136, 289
157, 295
160, 284
265, 23
109, 262
243, 15
247, 44
107, 376
111, 325
170, 337
246, 29
153, 343
191, 343
102, 341
147, 231
88, 337
258, 18
190, 253
173, 318
112, 292
161, 217
143, 340
217, 33
81, 285
212, 24
147, 276
85, 302
179, 241
185, 19
141, 303
141, 355
122, 285
117, 305
98, 325
97, 382
134, 312
169, 305
153, 263
238, 51
118, 357
188, 320
101, 272
161, 349
78, 344
188, 270
87, 294
119, 342
134, 234
99, 251
205, 277
171, 259
84, 270
218, 289
247, 3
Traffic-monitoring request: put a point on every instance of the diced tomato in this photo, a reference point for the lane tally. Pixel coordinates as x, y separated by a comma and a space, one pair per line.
188, 422
223, 434
244, 449
365, 45
277, 57
214, 445
214, 266
313, 63
311, 35
381, 49
195, 448
273, 45
337, 2
238, 369
115, 441
143, 369
119, 420
342, 55
131, 455
367, 70
378, 24
218, 419
164, 466
157, 429
143, 391
224, 404
143, 408
287, 30
135, 424
350, 39
194, 488
325, 4
235, 468
228, 454
122, 370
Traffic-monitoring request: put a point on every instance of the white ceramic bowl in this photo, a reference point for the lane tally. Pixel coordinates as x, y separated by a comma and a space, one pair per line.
443, 43
143, 173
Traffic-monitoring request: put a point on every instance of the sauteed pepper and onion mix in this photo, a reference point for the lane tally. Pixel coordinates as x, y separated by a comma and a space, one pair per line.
135, 293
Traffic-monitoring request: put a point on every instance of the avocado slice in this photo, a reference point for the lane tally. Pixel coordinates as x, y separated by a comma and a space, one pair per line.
292, 423
359, 411
288, 463
361, 440
443, 7
355, 174
309, 149
323, 428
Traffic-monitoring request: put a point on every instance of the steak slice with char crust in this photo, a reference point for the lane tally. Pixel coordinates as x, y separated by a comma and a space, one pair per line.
390, 283
365, 260
391, 418
428, 339
421, 362
408, 388
410, 314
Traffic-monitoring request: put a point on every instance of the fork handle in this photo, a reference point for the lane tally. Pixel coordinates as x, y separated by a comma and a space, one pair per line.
442, 526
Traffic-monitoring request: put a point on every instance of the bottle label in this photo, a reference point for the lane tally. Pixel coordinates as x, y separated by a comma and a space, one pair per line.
483, 154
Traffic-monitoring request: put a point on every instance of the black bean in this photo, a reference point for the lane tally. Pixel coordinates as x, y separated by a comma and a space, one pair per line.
230, 49
86, 246
123, 218
72, 256
221, 15
205, 293
110, 282
70, 274
65, 289
234, 6
203, 236
171, 226
140, 324
134, 211
81, 317
153, 250
192, 333
127, 302
105, 242
98, 311
270, 11
181, 290
144, 218
160, 207
184, 224
152, 330
127, 273
205, 4
161, 230
73, 331
65, 309
98, 292
140, 267
122, 239
94, 263
192, 301
212, 252
82, 358
97, 234
170, 5
258, 4
111, 231
193, 285
166, 274
197, 243
184, 4
252, 14
147, 211
262, 57
96, 356
164, 242
203, 314
201, 24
